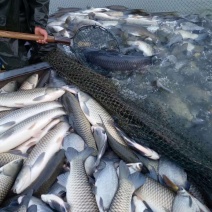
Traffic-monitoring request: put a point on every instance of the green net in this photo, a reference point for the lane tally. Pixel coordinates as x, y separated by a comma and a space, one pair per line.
142, 121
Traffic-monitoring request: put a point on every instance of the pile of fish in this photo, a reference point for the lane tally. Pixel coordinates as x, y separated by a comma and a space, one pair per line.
60, 150
176, 85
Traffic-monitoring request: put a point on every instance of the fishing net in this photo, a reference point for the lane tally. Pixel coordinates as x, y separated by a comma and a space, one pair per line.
142, 121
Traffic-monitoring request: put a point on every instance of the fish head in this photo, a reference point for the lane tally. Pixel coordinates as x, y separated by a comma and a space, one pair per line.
83, 97
11, 169
99, 133
181, 191
23, 178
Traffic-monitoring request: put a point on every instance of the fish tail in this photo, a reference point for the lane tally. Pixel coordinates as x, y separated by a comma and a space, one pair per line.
72, 154
201, 36
136, 179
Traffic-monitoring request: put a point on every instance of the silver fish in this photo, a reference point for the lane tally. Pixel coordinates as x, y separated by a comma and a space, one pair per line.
30, 97
55, 202
185, 202
39, 157
26, 146
90, 165
9, 87
158, 197
189, 35
75, 141
78, 119
8, 175
79, 193
4, 113
139, 205
100, 137
106, 184
173, 171
142, 46
127, 185
145, 151
31, 127
101, 16
133, 167
191, 26
96, 114
17, 116
30, 83
7, 157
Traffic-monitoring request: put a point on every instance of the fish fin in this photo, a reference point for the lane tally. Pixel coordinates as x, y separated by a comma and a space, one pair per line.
201, 36
32, 208
67, 206
17, 152
8, 124
160, 179
169, 183
101, 166
137, 179
26, 198
39, 98
85, 109
101, 204
6, 134
71, 120
190, 201
71, 153
148, 207
94, 190
63, 178
123, 170
38, 160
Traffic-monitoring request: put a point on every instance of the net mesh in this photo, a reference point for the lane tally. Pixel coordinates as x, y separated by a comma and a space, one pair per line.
140, 121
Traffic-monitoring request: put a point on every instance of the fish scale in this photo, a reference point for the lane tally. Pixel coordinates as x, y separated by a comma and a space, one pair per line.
43, 145
79, 192
5, 185
122, 199
158, 197
28, 97
8, 157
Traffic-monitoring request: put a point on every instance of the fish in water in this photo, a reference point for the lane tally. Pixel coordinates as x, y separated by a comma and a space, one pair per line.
114, 61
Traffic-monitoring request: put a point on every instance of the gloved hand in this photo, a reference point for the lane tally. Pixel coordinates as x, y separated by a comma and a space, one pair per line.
43, 32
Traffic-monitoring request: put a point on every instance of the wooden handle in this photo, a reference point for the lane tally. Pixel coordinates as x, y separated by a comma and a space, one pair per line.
24, 36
